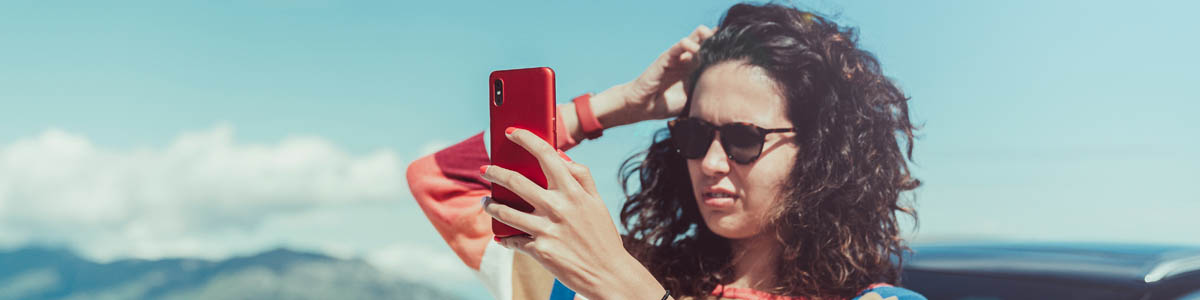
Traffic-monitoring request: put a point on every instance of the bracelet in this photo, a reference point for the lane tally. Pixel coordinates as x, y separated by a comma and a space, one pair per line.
587, 119
668, 294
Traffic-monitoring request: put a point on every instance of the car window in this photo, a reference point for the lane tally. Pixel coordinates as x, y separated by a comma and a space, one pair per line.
948, 286
1194, 295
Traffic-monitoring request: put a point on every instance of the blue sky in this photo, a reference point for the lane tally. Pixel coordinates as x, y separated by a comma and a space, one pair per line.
1043, 120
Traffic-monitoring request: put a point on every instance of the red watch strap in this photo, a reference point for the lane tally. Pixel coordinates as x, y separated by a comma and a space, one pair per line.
587, 120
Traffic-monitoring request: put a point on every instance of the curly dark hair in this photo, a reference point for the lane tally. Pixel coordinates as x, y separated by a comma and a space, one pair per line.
837, 225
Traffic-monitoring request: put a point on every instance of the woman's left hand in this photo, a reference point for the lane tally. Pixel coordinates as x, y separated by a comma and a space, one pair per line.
570, 231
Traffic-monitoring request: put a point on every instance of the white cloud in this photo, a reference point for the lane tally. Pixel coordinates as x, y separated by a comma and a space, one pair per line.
204, 194
418, 262
433, 146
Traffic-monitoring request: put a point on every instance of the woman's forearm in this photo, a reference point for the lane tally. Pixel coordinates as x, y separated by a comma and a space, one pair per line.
611, 107
634, 282
608, 106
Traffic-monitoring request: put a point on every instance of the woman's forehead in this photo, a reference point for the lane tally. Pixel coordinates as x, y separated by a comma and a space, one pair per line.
738, 92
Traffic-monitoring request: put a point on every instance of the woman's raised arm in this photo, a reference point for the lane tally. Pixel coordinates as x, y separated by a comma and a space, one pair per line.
448, 187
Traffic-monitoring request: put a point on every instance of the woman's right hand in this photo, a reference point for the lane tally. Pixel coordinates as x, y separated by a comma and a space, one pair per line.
658, 93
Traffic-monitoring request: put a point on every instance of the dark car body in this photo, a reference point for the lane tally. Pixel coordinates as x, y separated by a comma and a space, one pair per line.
979, 271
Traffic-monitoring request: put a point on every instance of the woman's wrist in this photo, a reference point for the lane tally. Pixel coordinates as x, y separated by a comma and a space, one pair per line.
636, 282
612, 107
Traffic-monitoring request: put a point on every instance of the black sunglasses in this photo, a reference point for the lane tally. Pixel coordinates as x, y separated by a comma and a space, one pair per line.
743, 142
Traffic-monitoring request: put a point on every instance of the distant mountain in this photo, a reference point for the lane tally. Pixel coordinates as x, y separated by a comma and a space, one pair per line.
46, 273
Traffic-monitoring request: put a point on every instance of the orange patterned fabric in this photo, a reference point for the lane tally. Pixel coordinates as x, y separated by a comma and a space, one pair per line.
725, 292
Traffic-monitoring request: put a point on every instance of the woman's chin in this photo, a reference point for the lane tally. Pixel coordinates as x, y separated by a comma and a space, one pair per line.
729, 226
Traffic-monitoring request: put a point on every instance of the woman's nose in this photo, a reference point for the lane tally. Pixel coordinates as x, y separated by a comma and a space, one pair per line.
715, 162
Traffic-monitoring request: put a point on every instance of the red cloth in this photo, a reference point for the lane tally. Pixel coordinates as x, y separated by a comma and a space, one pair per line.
447, 187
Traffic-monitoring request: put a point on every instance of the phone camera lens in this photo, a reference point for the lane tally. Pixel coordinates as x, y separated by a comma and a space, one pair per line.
498, 95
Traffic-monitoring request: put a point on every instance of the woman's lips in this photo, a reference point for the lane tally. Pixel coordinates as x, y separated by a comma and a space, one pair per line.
718, 199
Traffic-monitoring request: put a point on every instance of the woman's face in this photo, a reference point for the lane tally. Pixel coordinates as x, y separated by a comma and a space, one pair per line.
735, 199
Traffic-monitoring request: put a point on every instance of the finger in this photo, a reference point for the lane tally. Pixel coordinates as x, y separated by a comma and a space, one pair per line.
690, 45
678, 48
581, 174
706, 33
517, 183
683, 51
512, 217
675, 51
552, 165
686, 57
690, 49
697, 33
518, 242
584, 176
564, 156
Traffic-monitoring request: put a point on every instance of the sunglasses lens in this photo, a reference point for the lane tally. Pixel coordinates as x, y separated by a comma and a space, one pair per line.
691, 137
742, 142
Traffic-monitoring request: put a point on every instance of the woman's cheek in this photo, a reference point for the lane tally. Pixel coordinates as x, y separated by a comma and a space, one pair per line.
697, 179
771, 172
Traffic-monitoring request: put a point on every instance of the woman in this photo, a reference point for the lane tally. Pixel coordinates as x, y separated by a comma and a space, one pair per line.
780, 176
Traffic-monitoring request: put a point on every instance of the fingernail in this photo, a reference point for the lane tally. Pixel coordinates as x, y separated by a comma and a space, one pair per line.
563, 155
482, 200
483, 169
510, 130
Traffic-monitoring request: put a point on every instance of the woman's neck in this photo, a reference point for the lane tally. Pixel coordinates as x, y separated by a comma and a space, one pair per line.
754, 262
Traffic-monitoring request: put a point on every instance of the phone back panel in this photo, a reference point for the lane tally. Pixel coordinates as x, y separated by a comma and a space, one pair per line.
528, 103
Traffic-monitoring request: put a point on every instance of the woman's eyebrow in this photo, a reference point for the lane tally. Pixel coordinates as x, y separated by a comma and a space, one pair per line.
734, 121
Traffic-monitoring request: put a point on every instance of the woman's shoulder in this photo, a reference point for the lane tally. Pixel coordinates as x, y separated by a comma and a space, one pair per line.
888, 292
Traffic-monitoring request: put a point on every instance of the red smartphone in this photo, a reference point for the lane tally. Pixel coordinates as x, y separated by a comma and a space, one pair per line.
521, 98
